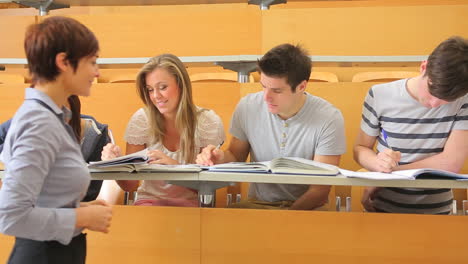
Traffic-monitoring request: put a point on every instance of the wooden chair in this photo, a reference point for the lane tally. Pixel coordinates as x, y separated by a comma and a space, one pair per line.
6, 78
385, 76
216, 77
323, 77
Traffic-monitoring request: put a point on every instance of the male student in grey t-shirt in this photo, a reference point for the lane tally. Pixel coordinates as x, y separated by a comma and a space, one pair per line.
283, 121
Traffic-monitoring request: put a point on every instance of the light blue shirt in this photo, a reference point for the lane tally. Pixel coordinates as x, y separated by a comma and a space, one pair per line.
45, 174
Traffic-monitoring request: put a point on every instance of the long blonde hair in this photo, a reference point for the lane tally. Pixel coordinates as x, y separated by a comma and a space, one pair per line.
186, 116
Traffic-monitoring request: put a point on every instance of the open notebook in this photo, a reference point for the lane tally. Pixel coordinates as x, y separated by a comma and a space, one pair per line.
279, 166
138, 162
406, 174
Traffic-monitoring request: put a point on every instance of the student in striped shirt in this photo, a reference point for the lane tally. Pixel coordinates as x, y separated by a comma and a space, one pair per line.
421, 122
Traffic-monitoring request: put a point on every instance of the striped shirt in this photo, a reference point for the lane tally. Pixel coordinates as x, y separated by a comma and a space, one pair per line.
417, 132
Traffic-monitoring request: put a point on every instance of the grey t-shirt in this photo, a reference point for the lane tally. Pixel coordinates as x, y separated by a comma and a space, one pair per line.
318, 128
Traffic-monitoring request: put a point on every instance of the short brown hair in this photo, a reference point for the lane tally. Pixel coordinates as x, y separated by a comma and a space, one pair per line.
43, 41
447, 69
288, 61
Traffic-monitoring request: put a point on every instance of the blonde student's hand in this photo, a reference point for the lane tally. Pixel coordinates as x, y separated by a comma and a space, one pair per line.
368, 196
110, 151
210, 156
94, 217
158, 157
387, 160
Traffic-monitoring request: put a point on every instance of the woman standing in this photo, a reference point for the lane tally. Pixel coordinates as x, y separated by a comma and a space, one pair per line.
45, 174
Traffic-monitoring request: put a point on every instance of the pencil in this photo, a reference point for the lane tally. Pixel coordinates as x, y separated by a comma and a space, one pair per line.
109, 132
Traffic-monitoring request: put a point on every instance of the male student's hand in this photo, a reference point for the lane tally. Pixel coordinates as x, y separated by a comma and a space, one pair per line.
368, 196
110, 151
210, 156
387, 160
158, 157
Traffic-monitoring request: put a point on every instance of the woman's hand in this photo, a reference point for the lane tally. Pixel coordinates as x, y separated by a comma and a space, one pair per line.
110, 151
158, 157
94, 217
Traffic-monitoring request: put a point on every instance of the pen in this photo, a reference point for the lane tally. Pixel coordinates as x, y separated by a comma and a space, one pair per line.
219, 145
384, 135
109, 132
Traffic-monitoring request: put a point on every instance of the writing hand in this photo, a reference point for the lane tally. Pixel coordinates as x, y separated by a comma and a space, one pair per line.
210, 155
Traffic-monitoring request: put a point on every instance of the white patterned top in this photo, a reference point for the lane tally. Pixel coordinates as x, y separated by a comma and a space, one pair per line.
209, 131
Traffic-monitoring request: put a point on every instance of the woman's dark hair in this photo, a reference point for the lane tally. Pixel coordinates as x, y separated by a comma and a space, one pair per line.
75, 121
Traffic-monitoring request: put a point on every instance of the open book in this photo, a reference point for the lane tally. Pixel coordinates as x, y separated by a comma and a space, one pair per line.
406, 174
138, 162
279, 166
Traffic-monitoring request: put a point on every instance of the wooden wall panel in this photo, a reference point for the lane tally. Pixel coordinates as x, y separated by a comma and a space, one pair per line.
112, 104
275, 236
181, 32
12, 96
12, 30
387, 30
141, 234
194, 235
6, 244
222, 97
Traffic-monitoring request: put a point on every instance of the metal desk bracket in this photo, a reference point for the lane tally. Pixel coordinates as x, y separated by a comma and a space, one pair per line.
243, 69
265, 4
43, 5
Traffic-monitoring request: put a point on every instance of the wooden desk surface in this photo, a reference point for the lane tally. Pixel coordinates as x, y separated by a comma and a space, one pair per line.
327, 180
216, 177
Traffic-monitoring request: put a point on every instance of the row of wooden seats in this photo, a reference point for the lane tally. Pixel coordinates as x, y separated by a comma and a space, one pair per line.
383, 76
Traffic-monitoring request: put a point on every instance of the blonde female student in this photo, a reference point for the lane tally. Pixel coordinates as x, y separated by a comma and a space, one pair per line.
46, 176
171, 126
